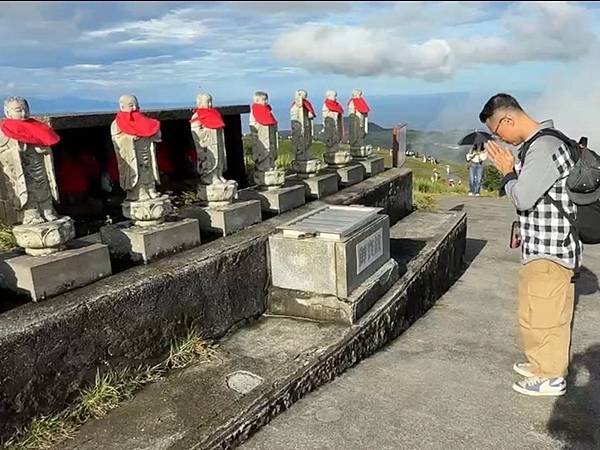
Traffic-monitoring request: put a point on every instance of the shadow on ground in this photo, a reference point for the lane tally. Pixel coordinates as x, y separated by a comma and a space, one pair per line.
575, 418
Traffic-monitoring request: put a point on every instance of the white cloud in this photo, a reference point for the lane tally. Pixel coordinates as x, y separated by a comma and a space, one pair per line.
531, 31
362, 52
175, 27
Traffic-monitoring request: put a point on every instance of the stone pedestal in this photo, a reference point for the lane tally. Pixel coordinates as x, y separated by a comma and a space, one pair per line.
226, 219
149, 212
44, 238
373, 165
271, 179
278, 200
128, 242
41, 277
308, 167
348, 175
218, 194
329, 261
338, 158
318, 186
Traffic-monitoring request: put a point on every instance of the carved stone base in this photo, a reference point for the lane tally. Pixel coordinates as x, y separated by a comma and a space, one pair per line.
143, 244
40, 277
271, 179
319, 185
149, 212
362, 152
349, 175
224, 220
339, 158
277, 200
308, 167
218, 194
373, 165
44, 238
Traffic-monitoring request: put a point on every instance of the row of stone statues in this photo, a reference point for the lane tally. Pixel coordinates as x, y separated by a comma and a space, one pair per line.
26, 159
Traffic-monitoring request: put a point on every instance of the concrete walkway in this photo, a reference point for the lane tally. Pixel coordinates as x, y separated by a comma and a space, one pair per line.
446, 382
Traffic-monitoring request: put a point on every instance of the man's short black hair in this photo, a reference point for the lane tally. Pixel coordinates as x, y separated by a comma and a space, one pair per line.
498, 101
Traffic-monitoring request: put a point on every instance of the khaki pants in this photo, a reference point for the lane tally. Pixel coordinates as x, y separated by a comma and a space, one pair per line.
546, 303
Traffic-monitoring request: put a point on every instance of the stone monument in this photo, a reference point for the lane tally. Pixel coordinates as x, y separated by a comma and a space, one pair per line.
220, 213
302, 116
358, 128
336, 155
134, 137
52, 263
272, 191
331, 264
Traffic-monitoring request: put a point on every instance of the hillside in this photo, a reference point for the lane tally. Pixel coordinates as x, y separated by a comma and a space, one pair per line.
440, 144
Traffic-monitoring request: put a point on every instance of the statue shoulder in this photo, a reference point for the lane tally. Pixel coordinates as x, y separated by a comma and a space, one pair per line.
3, 139
114, 128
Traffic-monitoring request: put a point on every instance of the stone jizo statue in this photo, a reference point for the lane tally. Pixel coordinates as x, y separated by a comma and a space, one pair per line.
302, 115
333, 127
263, 127
209, 139
27, 169
358, 124
134, 138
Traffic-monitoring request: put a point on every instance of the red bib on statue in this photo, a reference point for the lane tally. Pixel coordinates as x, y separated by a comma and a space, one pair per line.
137, 124
209, 118
334, 106
263, 114
30, 131
360, 105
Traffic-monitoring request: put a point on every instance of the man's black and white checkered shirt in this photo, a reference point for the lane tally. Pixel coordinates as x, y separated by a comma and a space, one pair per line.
544, 230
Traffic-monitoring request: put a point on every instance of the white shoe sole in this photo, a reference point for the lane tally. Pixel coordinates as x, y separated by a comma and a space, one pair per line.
520, 390
522, 372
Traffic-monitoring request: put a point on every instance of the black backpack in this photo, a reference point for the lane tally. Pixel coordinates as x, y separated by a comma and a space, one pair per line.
583, 185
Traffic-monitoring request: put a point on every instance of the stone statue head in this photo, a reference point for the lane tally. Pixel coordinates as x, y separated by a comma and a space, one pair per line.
261, 98
300, 95
16, 108
128, 103
331, 95
357, 93
204, 100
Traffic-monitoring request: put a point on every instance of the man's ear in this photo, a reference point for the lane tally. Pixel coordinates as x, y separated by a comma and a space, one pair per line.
510, 120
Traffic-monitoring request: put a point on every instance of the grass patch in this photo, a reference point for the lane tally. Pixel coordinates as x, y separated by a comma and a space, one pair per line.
189, 198
424, 202
7, 238
106, 393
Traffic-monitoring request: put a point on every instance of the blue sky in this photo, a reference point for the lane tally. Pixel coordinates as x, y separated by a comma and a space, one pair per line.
168, 51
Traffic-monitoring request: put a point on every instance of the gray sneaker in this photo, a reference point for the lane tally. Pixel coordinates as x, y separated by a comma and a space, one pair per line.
541, 387
524, 369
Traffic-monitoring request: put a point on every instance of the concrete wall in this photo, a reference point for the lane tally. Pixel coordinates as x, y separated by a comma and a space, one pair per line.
49, 350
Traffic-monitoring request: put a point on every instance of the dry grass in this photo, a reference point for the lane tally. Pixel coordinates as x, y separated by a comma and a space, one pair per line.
7, 238
106, 393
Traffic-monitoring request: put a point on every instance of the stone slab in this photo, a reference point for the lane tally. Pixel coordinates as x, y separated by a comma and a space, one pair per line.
277, 200
327, 266
319, 186
349, 175
143, 244
45, 276
224, 220
328, 308
125, 320
196, 409
373, 165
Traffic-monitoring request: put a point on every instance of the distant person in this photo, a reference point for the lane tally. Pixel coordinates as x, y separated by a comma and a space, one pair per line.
475, 159
550, 249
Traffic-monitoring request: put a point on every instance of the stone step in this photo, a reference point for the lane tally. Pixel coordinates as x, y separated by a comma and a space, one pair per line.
261, 370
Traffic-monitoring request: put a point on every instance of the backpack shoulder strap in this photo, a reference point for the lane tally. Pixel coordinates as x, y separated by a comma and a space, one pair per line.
570, 143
